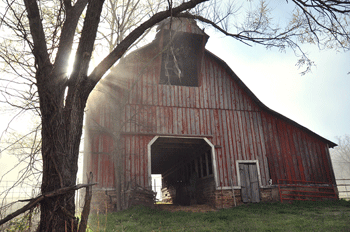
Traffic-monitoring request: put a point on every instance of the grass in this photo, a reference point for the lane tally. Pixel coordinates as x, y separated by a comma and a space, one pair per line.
299, 216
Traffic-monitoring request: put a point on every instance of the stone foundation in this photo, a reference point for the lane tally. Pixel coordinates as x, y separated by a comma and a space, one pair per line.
105, 200
223, 199
140, 196
226, 199
269, 194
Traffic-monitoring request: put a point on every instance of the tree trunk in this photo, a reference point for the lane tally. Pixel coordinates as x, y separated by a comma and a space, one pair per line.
61, 134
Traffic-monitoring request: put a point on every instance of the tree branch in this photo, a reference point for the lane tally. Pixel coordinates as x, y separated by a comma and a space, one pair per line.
118, 52
38, 35
33, 202
67, 35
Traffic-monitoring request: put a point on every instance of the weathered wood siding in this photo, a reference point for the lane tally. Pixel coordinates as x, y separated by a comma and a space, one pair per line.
220, 107
294, 154
102, 163
136, 160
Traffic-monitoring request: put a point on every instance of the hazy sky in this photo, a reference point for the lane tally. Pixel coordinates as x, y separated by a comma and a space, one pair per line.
319, 100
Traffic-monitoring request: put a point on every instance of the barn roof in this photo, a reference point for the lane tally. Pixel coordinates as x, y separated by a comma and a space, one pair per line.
262, 105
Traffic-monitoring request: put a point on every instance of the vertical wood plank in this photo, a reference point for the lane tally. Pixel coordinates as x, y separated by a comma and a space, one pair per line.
301, 153
197, 121
245, 183
225, 147
231, 141
277, 149
254, 183
308, 157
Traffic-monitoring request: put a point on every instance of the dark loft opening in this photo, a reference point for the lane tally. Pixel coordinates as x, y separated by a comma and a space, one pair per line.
186, 168
180, 59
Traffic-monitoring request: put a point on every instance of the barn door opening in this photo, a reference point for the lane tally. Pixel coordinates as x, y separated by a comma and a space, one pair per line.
249, 179
187, 168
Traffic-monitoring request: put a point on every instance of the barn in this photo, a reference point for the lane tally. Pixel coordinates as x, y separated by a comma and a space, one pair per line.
174, 108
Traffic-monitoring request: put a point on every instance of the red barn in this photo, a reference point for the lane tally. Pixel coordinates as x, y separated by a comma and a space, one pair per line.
176, 109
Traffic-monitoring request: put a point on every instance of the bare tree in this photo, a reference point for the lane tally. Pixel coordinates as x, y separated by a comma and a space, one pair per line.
61, 113
341, 157
39, 39
23, 174
119, 18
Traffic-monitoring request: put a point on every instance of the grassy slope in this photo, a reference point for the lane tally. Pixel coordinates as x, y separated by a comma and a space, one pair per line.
299, 216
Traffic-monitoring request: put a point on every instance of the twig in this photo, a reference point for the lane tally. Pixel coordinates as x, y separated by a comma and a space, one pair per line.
34, 201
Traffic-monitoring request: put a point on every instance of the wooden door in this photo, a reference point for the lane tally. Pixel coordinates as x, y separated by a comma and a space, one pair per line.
249, 182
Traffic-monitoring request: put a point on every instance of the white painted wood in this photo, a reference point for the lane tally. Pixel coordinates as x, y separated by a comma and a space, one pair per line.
149, 153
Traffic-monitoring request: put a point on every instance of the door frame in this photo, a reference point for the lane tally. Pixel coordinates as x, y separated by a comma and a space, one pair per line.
247, 162
149, 156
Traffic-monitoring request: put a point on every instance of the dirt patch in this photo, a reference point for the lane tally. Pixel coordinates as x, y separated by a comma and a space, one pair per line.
192, 208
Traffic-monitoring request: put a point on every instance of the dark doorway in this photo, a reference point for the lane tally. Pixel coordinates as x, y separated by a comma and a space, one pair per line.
186, 166
249, 182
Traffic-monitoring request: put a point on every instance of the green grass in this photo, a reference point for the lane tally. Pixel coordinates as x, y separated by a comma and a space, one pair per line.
299, 216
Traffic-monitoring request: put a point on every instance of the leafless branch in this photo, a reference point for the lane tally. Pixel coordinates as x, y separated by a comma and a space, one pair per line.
35, 201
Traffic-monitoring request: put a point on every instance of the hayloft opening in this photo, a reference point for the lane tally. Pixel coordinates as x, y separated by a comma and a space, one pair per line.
186, 167
181, 58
